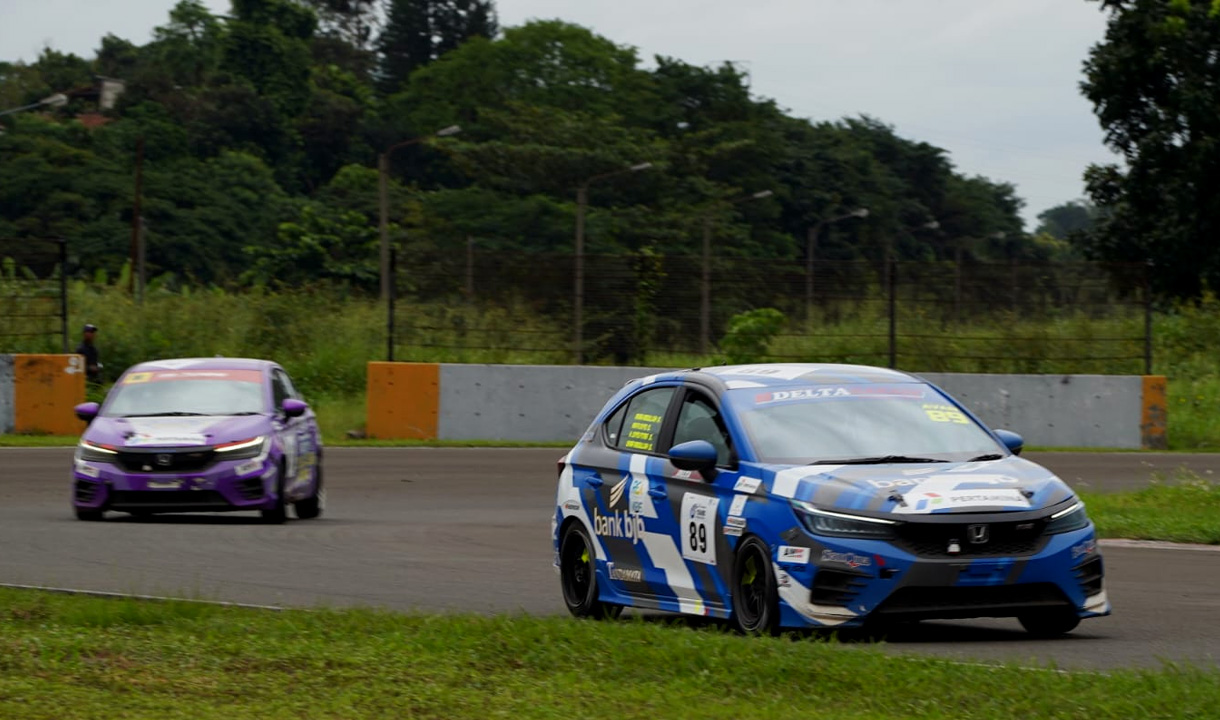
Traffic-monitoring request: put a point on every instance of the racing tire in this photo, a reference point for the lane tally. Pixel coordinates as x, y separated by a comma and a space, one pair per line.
279, 513
89, 515
578, 576
312, 506
755, 595
1051, 623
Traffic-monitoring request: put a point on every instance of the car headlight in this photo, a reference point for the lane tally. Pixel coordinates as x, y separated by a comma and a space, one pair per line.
242, 449
94, 452
1067, 520
836, 524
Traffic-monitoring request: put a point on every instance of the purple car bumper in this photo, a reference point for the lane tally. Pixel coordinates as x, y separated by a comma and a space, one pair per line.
174, 480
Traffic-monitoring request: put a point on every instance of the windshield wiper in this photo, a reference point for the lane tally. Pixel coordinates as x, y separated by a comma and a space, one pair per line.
879, 460
244, 412
988, 456
176, 413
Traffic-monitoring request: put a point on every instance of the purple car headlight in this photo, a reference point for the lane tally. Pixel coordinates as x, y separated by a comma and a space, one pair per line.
242, 449
95, 452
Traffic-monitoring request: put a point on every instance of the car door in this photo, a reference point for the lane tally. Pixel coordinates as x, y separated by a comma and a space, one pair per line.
290, 431
622, 487
706, 510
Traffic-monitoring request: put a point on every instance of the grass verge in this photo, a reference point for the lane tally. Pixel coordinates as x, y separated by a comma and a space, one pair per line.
78, 657
1185, 508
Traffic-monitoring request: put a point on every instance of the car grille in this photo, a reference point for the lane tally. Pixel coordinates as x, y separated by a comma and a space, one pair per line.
170, 460
168, 499
1089, 575
1004, 539
835, 587
85, 492
966, 602
251, 488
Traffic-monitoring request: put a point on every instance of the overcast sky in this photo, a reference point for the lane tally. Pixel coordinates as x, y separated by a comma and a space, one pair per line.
994, 82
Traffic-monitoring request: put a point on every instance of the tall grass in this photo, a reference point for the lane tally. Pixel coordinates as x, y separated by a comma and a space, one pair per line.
325, 338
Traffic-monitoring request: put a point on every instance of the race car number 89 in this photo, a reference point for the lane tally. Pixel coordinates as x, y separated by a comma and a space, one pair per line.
699, 524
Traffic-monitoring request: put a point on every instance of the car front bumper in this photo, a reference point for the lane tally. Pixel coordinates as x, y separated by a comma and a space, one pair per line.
248, 484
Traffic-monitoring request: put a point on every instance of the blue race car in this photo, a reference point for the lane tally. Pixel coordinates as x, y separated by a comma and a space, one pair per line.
808, 495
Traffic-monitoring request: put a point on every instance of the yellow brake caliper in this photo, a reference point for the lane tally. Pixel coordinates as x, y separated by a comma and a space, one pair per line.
750, 574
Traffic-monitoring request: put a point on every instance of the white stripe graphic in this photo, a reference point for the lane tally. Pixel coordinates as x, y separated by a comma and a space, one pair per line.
664, 554
787, 481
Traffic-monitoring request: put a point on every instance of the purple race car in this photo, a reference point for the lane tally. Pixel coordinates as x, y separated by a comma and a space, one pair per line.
199, 435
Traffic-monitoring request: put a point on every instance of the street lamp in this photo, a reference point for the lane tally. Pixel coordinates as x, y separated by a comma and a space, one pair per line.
705, 300
383, 175
578, 299
812, 244
56, 100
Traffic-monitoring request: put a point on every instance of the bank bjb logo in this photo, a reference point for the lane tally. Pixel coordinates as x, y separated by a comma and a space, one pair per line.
618, 525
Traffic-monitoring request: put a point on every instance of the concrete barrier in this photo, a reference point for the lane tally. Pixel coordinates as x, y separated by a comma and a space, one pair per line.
536, 403
1110, 411
6, 394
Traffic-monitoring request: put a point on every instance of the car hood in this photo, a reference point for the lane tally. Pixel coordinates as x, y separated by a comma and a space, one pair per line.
175, 431
1007, 485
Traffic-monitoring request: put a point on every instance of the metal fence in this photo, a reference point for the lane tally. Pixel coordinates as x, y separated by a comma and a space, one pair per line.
33, 294
967, 316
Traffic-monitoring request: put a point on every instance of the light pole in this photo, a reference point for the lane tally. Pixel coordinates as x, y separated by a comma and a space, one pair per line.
55, 100
578, 290
383, 182
811, 249
705, 291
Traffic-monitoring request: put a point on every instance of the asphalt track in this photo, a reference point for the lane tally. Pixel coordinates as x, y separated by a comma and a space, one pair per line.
459, 530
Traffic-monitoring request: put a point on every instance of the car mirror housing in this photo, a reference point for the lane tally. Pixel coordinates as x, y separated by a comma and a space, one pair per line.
86, 411
695, 455
1014, 442
293, 408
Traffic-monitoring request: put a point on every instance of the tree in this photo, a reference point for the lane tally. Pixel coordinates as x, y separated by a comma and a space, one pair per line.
419, 31
1153, 84
1064, 221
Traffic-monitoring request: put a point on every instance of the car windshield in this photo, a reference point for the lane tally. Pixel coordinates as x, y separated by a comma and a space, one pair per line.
860, 423
195, 392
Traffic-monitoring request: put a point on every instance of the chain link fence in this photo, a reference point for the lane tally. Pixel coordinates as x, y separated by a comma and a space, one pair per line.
33, 295
654, 309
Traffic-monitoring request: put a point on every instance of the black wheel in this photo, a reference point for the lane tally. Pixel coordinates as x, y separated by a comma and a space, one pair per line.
312, 506
1050, 623
577, 574
755, 598
89, 515
279, 513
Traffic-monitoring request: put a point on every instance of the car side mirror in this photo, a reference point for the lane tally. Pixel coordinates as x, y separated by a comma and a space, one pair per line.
695, 455
293, 408
86, 411
1014, 442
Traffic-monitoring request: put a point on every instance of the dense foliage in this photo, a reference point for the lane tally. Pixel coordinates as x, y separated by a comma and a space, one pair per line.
257, 136
1154, 85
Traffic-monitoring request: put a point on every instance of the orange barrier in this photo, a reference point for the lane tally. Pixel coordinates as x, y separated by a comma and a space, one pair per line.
403, 400
1154, 419
45, 389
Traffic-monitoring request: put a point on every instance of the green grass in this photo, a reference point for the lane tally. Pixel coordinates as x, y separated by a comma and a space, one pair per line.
1185, 508
67, 657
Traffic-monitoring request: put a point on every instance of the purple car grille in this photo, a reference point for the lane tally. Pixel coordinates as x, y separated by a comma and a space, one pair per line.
85, 492
170, 460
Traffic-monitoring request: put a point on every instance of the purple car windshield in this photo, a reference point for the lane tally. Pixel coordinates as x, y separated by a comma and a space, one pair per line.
828, 424
186, 392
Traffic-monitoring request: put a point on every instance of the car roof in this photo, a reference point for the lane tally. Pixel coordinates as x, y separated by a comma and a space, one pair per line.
731, 377
210, 363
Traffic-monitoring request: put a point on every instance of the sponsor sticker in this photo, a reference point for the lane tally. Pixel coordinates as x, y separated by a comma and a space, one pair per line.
792, 554
179, 440
639, 494
738, 505
1088, 547
735, 522
625, 574
619, 524
87, 470
251, 376
571, 505
849, 559
249, 467
747, 485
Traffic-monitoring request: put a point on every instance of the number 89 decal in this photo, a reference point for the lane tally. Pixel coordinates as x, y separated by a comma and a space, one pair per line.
699, 527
